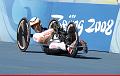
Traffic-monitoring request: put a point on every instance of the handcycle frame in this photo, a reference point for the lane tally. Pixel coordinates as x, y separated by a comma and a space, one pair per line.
24, 35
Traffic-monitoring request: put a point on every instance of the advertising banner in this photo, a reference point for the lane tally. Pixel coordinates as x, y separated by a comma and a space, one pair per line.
95, 22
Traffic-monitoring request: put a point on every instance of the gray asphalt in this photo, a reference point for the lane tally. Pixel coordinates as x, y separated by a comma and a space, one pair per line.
35, 61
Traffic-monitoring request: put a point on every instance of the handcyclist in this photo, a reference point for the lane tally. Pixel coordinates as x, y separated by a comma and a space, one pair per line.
45, 36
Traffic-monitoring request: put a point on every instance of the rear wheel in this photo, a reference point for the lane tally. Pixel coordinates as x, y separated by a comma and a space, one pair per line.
72, 40
54, 24
23, 34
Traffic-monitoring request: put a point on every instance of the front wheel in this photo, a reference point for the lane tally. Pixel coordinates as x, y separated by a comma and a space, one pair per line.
23, 34
84, 46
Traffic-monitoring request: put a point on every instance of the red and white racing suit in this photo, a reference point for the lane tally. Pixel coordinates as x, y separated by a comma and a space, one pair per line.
45, 36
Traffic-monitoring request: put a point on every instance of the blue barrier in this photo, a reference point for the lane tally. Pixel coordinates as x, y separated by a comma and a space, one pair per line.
95, 22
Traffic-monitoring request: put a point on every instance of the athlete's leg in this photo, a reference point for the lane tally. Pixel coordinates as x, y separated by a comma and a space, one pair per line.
43, 37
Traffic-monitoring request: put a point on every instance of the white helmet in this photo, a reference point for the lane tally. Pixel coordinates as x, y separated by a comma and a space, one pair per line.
34, 20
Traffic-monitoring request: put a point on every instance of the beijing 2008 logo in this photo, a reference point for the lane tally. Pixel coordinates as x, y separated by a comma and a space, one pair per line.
93, 27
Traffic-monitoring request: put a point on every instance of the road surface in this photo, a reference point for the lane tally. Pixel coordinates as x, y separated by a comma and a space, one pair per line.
35, 61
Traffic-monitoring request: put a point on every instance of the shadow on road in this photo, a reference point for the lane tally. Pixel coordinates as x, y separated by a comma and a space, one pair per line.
86, 57
65, 54
34, 52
